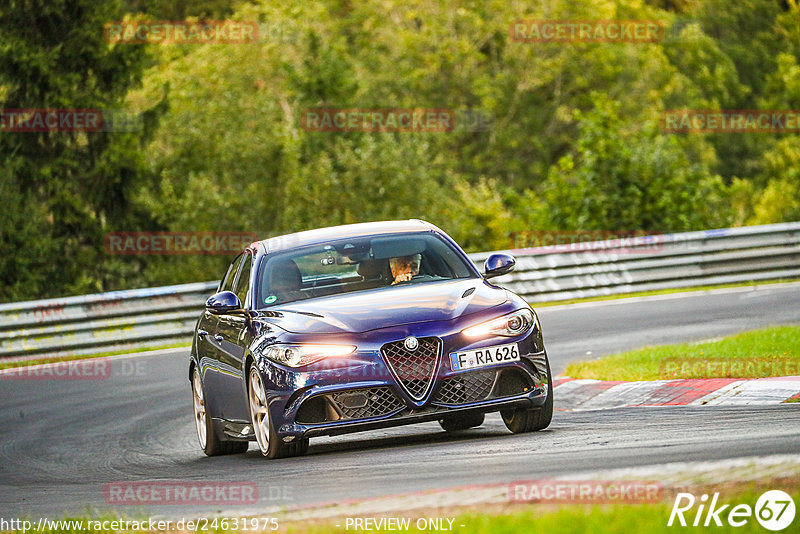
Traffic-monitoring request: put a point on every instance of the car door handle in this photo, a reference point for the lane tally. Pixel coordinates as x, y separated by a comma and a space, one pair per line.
219, 337
202, 333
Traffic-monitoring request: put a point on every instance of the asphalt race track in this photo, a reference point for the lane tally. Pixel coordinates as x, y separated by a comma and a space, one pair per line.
64, 440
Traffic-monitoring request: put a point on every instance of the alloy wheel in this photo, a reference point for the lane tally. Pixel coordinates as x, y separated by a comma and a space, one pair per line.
259, 412
199, 408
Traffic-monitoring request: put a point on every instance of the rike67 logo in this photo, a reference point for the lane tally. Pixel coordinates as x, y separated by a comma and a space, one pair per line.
774, 510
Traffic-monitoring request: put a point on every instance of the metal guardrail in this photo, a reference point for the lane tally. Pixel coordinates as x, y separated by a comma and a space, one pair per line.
86, 324
140, 318
667, 261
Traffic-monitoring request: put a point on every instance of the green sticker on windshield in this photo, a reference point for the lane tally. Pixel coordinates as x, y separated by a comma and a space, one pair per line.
270, 299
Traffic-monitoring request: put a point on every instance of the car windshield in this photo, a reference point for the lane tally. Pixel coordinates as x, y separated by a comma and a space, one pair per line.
357, 264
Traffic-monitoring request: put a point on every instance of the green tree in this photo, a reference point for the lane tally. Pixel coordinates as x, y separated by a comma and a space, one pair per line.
68, 186
574, 141
640, 181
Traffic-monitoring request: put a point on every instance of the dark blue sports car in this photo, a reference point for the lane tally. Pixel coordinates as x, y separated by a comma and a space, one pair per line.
360, 327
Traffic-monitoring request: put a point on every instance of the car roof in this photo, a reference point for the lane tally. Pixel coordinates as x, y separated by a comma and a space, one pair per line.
322, 235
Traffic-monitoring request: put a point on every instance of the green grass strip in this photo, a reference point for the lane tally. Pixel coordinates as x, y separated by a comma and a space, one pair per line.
773, 351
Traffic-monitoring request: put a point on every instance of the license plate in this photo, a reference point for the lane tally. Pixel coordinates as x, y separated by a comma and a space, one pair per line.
469, 359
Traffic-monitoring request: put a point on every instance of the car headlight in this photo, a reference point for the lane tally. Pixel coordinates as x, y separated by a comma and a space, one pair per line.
509, 325
306, 353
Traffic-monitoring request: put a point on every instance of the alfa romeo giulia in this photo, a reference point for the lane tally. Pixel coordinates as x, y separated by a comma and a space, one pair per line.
359, 327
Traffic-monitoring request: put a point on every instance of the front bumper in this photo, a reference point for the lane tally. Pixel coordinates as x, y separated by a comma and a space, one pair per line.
360, 392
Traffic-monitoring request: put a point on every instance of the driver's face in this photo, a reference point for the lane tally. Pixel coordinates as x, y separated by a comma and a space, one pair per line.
407, 265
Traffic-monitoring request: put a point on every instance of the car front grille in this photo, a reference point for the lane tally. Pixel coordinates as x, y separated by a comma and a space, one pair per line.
414, 370
367, 402
467, 387
476, 386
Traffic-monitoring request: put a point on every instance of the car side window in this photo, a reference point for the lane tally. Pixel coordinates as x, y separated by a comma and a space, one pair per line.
227, 282
243, 280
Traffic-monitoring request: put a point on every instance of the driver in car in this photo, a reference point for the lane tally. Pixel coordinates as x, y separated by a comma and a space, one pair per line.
404, 267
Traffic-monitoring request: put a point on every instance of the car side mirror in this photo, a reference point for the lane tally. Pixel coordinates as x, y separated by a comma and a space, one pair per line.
223, 302
498, 264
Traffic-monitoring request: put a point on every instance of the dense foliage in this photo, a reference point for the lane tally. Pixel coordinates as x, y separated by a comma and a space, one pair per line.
575, 141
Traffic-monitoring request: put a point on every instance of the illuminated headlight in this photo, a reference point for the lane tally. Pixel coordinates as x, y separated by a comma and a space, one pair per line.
304, 354
509, 325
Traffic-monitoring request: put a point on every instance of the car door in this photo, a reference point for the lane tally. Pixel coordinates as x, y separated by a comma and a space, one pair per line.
206, 328
233, 339
209, 348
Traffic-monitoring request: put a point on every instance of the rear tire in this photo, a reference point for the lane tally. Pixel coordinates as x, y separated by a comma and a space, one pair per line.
522, 420
268, 441
462, 421
206, 433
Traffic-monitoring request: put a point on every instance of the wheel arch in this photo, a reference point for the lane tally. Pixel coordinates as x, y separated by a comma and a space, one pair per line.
248, 361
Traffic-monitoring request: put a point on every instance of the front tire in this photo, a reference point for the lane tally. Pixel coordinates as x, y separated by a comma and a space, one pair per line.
206, 433
522, 420
461, 421
268, 441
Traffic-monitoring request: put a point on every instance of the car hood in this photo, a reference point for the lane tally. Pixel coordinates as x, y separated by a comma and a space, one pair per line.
391, 306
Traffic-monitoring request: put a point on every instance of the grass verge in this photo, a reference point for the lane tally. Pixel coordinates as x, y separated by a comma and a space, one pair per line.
537, 517
605, 519
577, 518
773, 351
